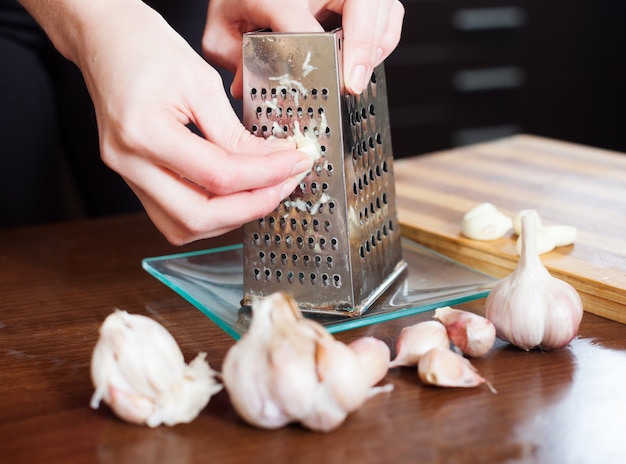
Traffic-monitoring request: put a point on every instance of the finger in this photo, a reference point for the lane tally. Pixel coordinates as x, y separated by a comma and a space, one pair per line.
184, 213
371, 31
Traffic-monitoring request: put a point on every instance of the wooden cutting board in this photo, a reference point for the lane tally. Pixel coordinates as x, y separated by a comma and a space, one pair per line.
566, 183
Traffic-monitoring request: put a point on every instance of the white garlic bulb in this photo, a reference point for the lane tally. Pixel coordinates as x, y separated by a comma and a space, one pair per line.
139, 371
471, 333
485, 222
530, 308
417, 339
290, 369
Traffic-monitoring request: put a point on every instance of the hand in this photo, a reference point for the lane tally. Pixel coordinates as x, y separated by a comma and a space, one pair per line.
371, 30
148, 85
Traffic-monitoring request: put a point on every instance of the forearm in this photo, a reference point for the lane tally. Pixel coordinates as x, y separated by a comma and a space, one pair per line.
74, 26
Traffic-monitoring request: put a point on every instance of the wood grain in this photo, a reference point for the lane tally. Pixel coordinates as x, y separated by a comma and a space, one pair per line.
566, 183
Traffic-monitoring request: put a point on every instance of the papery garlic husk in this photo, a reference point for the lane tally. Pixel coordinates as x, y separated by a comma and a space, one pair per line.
445, 368
530, 308
415, 340
290, 369
485, 222
471, 333
139, 371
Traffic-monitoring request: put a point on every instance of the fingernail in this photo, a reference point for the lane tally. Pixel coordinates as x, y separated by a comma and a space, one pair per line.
358, 79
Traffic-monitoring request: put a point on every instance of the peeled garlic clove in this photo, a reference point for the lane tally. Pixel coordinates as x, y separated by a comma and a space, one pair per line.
517, 221
374, 356
415, 340
485, 222
445, 368
139, 371
530, 308
544, 243
473, 334
290, 369
562, 235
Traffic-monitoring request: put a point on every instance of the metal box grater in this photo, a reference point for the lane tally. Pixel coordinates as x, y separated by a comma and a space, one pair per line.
334, 243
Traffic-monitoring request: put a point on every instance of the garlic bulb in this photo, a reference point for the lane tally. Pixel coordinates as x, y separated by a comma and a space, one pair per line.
471, 333
415, 340
139, 371
486, 222
544, 243
290, 369
445, 368
530, 308
517, 221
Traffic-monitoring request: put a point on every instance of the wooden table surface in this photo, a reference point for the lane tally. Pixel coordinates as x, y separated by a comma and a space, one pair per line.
58, 283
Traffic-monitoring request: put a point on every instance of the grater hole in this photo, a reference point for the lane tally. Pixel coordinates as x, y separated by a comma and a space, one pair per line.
372, 111
264, 128
385, 230
263, 92
277, 240
370, 142
331, 207
323, 150
300, 242
313, 187
268, 274
314, 92
283, 92
327, 225
290, 276
289, 112
385, 168
262, 256
253, 92
324, 92
266, 239
273, 92
317, 260
322, 242
329, 169
337, 280
379, 139
362, 251
257, 238
301, 277
283, 258
313, 278
378, 172
373, 78
390, 226
288, 240
255, 128
334, 243
306, 259
295, 258
324, 186
257, 274
272, 257
305, 224
384, 197
329, 261
271, 220
294, 223
316, 224
279, 275
372, 175
311, 241
363, 113
282, 223
300, 112
355, 189
325, 280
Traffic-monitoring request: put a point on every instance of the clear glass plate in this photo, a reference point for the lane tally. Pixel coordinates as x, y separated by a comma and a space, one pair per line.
212, 280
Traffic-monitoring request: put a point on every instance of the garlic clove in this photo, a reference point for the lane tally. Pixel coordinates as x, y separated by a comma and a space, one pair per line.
471, 333
544, 242
485, 222
415, 340
517, 221
374, 356
530, 308
139, 371
562, 235
445, 368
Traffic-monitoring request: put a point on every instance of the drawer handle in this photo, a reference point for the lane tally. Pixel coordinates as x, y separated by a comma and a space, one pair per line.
477, 80
478, 19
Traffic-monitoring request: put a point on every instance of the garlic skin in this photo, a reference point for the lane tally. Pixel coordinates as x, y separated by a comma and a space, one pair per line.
485, 222
416, 340
139, 371
471, 333
530, 308
445, 368
290, 369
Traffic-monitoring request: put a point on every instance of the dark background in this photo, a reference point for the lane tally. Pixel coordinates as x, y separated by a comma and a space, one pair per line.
473, 70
